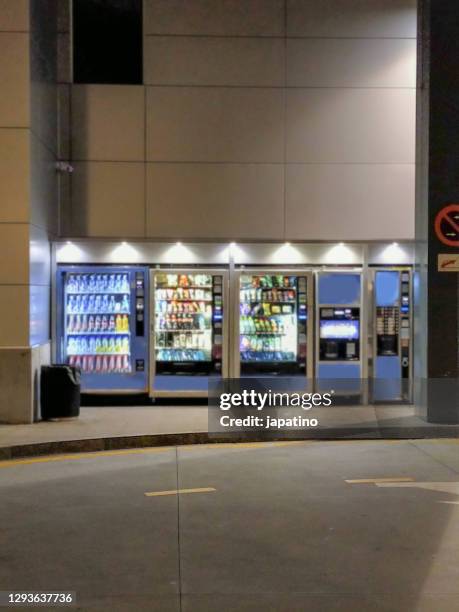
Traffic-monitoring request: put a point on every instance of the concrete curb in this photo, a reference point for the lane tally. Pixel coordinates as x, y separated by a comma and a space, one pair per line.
181, 439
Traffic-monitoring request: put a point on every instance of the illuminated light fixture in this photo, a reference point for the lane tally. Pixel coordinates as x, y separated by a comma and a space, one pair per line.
69, 253
179, 253
286, 253
339, 254
393, 254
124, 253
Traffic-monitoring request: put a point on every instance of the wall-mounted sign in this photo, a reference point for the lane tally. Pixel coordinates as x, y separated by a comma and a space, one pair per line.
448, 263
447, 225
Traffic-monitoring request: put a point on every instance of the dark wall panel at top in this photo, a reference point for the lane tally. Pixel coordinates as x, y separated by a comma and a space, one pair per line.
107, 41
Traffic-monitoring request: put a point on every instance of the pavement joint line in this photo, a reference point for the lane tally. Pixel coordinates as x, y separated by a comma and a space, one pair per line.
91, 455
179, 492
243, 445
423, 450
376, 480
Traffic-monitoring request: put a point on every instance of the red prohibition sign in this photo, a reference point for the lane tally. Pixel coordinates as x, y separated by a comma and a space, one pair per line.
447, 225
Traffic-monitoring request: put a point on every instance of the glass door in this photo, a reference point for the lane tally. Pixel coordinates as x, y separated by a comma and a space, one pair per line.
272, 324
97, 311
188, 317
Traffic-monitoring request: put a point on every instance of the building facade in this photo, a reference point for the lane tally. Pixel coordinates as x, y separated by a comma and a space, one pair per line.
258, 121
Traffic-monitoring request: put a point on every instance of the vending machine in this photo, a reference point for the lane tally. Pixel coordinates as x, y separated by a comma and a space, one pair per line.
102, 325
339, 331
392, 334
273, 324
188, 331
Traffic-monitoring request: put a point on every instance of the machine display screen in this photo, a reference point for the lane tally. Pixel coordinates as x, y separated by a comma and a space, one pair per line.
348, 330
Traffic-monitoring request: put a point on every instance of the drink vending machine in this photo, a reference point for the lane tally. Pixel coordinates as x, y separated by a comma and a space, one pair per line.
273, 323
102, 323
392, 329
188, 331
339, 330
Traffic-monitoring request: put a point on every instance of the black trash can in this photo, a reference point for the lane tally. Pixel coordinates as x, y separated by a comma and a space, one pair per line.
60, 391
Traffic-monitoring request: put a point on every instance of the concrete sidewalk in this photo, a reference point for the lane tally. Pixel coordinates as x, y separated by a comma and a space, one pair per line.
101, 428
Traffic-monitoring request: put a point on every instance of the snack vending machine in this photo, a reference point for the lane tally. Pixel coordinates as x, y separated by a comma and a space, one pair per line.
188, 331
339, 331
102, 326
392, 330
273, 324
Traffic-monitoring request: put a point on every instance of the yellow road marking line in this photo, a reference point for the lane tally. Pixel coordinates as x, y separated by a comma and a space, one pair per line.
177, 491
376, 480
90, 455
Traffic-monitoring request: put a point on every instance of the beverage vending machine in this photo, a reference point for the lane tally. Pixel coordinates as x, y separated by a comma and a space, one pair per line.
188, 331
102, 325
274, 324
392, 334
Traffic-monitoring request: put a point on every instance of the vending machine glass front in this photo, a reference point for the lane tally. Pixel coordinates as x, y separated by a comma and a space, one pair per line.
272, 324
188, 325
97, 322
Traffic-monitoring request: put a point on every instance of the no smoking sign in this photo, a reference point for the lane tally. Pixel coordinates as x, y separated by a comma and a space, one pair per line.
447, 225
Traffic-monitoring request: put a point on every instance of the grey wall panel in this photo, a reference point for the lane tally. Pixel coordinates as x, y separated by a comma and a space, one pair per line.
221, 18
63, 131
350, 202
14, 15
14, 264
14, 80
43, 187
14, 322
227, 201
43, 71
14, 173
177, 60
40, 257
215, 124
108, 199
352, 18
39, 317
351, 125
108, 122
64, 67
339, 62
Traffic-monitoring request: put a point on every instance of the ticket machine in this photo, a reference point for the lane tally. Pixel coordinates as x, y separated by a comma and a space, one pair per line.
392, 333
339, 345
